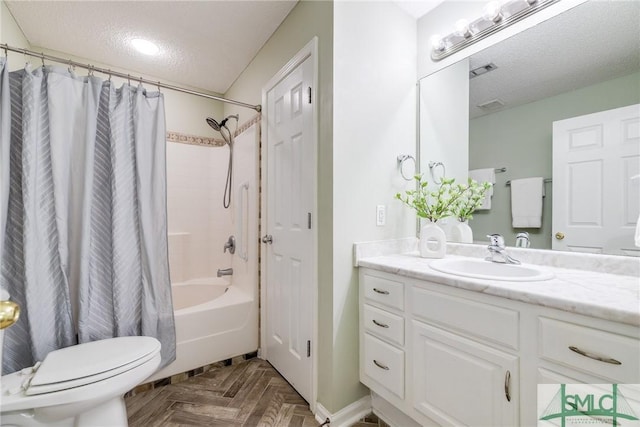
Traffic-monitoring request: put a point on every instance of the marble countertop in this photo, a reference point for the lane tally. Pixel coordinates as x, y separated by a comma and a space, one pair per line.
602, 295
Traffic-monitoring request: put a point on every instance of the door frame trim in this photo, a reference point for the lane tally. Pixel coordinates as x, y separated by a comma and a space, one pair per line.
309, 50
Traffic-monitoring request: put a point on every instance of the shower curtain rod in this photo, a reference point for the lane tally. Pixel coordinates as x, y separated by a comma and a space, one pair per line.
109, 72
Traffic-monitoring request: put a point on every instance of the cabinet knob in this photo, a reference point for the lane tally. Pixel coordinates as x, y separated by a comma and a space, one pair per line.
559, 235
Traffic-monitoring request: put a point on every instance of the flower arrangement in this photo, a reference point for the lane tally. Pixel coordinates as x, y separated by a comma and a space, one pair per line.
471, 199
448, 199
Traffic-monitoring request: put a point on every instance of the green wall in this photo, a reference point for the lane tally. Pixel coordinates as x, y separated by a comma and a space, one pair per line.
306, 20
520, 139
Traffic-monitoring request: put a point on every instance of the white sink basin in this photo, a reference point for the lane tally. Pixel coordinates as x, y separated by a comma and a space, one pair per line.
487, 270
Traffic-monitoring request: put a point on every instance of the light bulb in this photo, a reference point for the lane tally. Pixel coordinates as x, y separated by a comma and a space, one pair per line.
462, 28
492, 12
145, 46
437, 43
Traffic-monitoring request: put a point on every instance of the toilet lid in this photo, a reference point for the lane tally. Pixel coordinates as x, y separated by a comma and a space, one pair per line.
90, 362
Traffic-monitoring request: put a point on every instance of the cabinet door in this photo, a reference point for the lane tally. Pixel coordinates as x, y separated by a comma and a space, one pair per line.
457, 381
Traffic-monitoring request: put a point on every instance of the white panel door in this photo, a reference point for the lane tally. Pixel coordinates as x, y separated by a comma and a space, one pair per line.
595, 200
289, 205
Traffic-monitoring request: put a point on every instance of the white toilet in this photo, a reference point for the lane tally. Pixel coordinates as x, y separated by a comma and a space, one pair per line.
78, 386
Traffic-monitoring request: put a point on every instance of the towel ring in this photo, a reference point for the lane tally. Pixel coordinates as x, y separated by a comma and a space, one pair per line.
403, 158
432, 166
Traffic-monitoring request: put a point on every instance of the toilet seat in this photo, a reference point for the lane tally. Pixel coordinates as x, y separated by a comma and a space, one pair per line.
110, 382
87, 363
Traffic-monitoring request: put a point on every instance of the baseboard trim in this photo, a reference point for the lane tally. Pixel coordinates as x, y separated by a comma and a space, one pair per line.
346, 416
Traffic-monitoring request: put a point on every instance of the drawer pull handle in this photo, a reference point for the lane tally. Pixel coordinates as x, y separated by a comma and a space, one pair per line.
507, 386
594, 356
382, 325
380, 365
383, 292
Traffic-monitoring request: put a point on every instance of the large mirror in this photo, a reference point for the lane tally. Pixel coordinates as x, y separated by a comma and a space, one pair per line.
583, 61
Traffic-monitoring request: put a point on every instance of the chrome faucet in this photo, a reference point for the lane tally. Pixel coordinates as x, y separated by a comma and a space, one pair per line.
497, 250
225, 272
230, 244
522, 240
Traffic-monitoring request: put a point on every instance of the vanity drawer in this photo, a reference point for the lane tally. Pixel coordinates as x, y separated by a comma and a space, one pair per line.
601, 353
383, 291
485, 321
384, 363
383, 324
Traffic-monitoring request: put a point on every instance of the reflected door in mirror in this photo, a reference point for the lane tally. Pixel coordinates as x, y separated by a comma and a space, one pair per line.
596, 202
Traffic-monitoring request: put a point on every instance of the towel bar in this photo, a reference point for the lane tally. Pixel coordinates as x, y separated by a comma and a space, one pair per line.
544, 180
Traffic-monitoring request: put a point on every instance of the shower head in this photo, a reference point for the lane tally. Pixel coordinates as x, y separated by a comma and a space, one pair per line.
214, 124
223, 124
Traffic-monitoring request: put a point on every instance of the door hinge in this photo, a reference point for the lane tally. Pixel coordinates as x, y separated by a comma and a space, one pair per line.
308, 348
309, 91
309, 220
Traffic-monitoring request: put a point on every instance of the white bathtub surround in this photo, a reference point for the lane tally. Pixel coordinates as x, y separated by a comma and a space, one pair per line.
604, 286
216, 318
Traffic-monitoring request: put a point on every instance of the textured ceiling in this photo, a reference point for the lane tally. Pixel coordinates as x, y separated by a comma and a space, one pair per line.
204, 44
593, 42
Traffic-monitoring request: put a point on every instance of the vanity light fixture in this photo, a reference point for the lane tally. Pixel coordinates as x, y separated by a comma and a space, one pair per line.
492, 12
496, 16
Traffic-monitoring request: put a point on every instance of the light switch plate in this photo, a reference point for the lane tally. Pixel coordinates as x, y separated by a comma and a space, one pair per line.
381, 215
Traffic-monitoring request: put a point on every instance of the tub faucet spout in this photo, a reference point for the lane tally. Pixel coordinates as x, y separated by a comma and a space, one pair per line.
225, 272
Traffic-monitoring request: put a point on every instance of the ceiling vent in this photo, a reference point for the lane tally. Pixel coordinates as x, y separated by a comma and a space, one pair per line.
494, 104
478, 71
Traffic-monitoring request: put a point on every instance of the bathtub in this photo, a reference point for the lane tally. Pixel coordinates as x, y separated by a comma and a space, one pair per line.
215, 320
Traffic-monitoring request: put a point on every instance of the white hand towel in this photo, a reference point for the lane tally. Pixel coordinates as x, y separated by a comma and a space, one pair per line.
526, 202
484, 175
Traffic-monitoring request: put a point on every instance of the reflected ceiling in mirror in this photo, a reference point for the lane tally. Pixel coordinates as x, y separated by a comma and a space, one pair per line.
591, 43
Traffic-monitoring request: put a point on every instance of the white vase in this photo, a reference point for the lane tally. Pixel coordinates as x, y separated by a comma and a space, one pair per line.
433, 241
461, 233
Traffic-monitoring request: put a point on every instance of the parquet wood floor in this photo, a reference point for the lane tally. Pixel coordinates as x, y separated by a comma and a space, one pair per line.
250, 393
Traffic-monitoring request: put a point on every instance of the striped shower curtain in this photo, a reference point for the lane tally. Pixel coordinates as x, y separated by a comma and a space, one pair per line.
83, 226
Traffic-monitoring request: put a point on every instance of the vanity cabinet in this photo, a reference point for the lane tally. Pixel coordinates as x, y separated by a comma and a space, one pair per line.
382, 322
464, 366
450, 356
457, 381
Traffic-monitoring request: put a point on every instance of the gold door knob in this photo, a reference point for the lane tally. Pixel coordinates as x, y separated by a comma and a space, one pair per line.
559, 235
9, 313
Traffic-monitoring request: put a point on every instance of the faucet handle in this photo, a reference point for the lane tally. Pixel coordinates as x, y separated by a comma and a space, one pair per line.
496, 240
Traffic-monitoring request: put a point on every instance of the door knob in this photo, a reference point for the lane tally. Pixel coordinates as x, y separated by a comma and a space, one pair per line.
267, 238
559, 235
